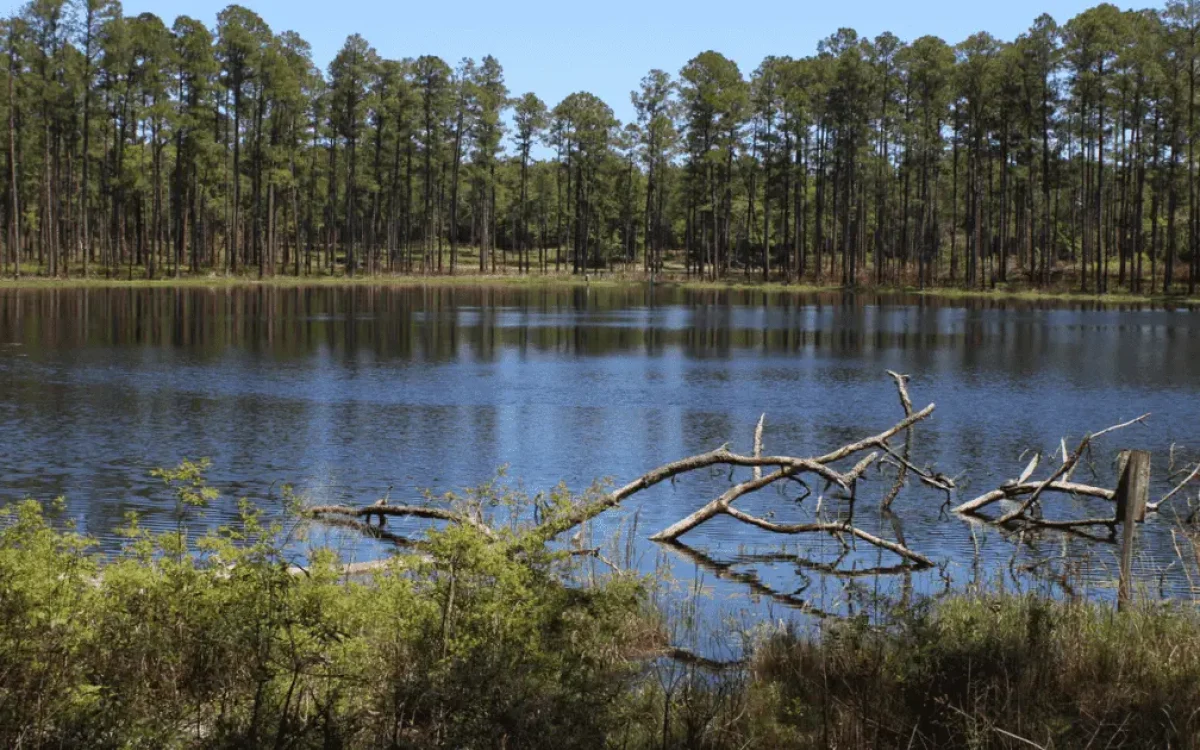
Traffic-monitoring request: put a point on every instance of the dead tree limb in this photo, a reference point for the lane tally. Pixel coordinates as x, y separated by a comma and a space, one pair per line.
832, 527
723, 504
366, 529
902, 471
1178, 487
718, 506
875, 441
381, 510
1018, 490
784, 467
758, 444
788, 466
1058, 481
937, 481
1037, 492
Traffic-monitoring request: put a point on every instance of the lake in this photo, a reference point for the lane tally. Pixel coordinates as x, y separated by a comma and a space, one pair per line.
352, 392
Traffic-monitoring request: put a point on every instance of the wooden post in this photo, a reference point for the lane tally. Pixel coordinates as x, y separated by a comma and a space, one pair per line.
1133, 491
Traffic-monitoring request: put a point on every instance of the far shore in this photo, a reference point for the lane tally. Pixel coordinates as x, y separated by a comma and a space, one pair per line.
604, 279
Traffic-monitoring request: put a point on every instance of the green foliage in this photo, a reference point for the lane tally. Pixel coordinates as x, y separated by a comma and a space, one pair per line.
234, 645
1063, 157
483, 637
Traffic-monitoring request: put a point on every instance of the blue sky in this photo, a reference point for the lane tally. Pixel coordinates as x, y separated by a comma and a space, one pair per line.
554, 48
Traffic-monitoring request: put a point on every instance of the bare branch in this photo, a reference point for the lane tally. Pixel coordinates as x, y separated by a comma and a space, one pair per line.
875, 441
789, 466
937, 481
860, 468
723, 503
1115, 427
1063, 472
1029, 468
366, 529
758, 445
718, 506
906, 404
1178, 487
1037, 492
1017, 490
902, 387
832, 527
418, 511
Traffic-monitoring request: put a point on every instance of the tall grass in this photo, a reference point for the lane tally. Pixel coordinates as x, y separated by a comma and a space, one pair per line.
988, 671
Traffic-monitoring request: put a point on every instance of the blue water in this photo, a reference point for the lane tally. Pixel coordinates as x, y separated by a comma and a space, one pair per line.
355, 392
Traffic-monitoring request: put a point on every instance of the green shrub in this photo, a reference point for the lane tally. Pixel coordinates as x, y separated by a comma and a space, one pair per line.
221, 641
485, 637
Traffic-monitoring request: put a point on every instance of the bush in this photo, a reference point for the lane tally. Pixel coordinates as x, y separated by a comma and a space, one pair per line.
220, 642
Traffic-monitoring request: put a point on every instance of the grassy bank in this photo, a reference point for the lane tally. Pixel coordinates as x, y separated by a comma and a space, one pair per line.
606, 279
980, 671
489, 639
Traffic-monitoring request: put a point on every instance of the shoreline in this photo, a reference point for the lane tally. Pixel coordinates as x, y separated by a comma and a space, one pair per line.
566, 281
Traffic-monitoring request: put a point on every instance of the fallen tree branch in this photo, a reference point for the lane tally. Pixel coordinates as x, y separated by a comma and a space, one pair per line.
723, 503
718, 506
1037, 492
789, 466
381, 510
758, 444
1058, 481
785, 467
1120, 426
875, 441
1178, 487
937, 481
831, 527
1017, 490
366, 529
906, 404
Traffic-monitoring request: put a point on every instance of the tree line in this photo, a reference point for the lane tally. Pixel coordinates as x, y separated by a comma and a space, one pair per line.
1063, 157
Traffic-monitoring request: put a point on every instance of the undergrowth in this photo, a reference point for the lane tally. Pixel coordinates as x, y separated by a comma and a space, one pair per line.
480, 640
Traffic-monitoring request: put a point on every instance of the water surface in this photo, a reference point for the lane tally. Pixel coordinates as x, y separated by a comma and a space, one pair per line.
349, 393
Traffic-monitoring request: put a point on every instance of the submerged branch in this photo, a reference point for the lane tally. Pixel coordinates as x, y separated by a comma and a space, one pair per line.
381, 510
1017, 490
1058, 481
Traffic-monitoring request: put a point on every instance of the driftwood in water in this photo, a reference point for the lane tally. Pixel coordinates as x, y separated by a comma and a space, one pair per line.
786, 467
843, 467
824, 467
382, 510
1031, 492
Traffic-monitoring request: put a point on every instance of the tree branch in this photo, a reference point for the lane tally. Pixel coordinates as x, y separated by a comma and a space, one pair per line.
419, 511
833, 527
